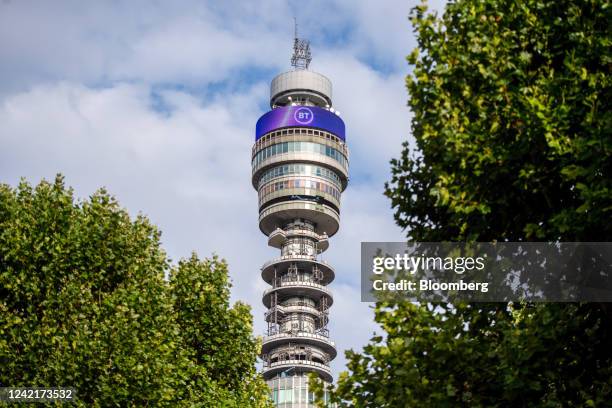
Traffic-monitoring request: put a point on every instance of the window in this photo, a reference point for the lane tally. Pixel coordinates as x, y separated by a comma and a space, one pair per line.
299, 183
285, 147
285, 396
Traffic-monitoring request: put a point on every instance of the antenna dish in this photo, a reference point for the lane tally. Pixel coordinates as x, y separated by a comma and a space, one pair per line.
301, 51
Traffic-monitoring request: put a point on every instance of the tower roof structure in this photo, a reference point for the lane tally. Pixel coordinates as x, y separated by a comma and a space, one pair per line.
299, 169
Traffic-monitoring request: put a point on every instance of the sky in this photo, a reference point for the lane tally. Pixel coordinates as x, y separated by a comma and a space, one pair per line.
157, 102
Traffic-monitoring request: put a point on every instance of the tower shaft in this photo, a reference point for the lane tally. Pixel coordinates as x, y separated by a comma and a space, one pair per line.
299, 168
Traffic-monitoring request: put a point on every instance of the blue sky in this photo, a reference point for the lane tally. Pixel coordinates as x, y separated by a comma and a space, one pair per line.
157, 101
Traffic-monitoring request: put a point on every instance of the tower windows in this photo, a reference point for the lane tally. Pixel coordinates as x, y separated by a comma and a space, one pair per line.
312, 147
300, 169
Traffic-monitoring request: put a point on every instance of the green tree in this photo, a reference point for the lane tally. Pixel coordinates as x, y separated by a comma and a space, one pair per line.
512, 123
218, 337
84, 303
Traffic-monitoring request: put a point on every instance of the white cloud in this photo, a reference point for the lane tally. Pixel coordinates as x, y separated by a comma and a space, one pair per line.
188, 43
373, 105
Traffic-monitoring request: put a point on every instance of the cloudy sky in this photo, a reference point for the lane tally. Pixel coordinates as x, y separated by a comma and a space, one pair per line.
157, 101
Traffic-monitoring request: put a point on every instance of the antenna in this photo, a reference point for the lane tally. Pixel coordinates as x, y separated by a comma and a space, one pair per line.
301, 50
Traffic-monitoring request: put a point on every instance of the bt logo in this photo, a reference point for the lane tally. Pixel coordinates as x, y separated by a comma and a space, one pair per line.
303, 116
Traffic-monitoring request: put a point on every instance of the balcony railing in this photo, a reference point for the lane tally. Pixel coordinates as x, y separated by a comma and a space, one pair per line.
301, 232
280, 283
300, 335
295, 307
292, 279
295, 363
297, 258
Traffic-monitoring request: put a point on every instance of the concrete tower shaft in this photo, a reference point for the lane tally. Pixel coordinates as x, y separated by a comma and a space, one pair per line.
299, 169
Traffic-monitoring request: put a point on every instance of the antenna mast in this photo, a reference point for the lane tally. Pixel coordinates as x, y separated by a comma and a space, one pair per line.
301, 51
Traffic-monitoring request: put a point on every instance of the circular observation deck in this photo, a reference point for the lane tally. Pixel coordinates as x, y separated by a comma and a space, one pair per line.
317, 340
285, 190
294, 145
279, 236
304, 263
326, 220
286, 290
285, 310
272, 369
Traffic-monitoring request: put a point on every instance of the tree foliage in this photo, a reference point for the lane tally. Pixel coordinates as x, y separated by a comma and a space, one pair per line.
512, 124
84, 303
